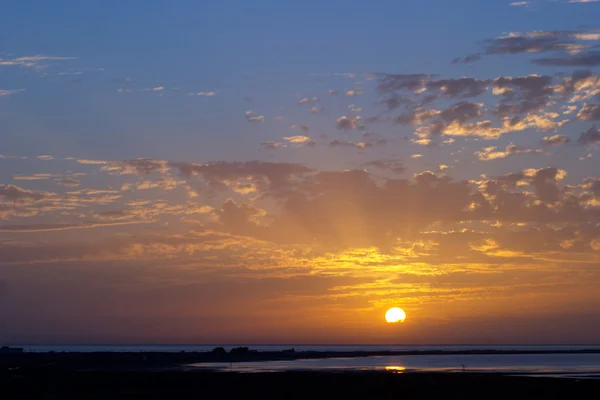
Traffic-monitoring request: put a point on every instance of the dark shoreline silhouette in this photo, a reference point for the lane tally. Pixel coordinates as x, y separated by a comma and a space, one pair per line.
166, 360
162, 375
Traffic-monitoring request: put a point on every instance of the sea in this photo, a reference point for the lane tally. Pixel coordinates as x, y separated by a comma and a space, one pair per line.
573, 365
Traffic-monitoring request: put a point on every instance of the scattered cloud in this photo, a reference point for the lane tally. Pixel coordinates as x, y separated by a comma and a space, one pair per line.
31, 61
204, 94
467, 59
6, 92
590, 136
591, 59
33, 177
252, 117
348, 124
393, 165
305, 140
555, 140
492, 152
589, 112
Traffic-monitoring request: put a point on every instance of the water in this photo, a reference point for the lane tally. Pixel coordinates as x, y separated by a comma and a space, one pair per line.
302, 347
572, 365
556, 364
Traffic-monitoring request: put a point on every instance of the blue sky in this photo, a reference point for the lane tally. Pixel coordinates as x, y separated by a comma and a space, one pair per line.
276, 153
264, 50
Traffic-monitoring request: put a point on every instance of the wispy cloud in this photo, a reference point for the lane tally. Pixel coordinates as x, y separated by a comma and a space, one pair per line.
6, 92
252, 117
31, 61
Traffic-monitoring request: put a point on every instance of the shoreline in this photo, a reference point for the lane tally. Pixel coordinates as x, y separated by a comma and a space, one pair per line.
108, 361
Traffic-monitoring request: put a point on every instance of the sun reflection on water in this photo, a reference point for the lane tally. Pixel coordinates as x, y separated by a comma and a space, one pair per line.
395, 369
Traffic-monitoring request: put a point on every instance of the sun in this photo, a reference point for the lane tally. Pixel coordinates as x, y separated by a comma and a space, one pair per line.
395, 314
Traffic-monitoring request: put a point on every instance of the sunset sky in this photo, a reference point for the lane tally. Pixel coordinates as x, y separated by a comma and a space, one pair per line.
267, 171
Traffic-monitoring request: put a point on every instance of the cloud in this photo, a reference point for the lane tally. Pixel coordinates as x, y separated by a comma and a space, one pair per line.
68, 182
591, 136
93, 162
589, 112
492, 152
31, 61
306, 100
139, 166
393, 165
344, 143
17, 194
572, 43
272, 145
555, 140
348, 124
45, 158
537, 41
521, 95
251, 117
467, 59
32, 228
300, 140
33, 177
591, 59
459, 88
304, 127
580, 86
270, 178
6, 92
519, 3
158, 89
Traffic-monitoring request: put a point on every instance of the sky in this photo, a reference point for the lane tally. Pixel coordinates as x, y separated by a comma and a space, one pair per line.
284, 172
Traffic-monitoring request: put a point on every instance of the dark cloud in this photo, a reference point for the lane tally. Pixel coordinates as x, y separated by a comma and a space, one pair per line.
589, 112
345, 143
348, 124
591, 136
393, 165
271, 145
462, 87
68, 182
545, 183
461, 112
268, 176
573, 83
14, 193
534, 42
396, 82
522, 95
467, 59
591, 59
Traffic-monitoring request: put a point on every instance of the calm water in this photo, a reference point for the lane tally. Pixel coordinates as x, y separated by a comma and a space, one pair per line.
574, 365
209, 347
581, 364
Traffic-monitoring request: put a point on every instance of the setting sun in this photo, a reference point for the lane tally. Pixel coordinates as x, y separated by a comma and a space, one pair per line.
395, 314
